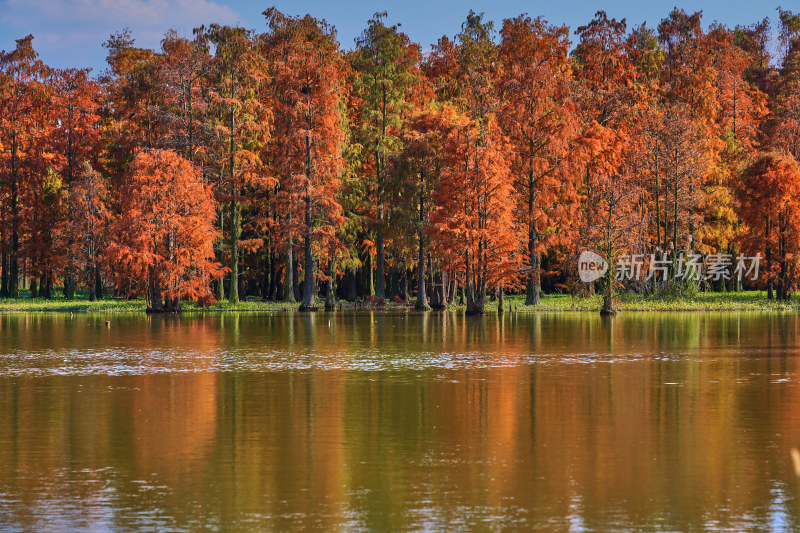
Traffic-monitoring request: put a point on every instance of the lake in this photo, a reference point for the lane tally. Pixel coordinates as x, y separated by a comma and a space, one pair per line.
399, 421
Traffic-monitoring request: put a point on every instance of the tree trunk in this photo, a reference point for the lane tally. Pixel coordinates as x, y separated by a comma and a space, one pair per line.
438, 295
13, 280
266, 278
475, 303
608, 297
769, 272
233, 289
98, 283
534, 281
500, 309
394, 282
154, 304
380, 275
4, 266
290, 273
309, 299
46, 285
330, 292
352, 284
242, 289
369, 282
233, 296
273, 275
422, 297
295, 277
69, 280
91, 286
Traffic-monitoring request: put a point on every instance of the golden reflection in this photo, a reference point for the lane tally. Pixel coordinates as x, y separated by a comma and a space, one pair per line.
404, 421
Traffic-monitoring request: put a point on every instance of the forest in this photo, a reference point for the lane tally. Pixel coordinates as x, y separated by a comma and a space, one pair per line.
283, 166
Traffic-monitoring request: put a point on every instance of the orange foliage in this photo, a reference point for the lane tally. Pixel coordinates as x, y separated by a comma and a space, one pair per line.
473, 225
307, 76
770, 206
162, 242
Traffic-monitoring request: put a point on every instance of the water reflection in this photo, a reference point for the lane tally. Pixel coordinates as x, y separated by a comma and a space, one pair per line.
402, 421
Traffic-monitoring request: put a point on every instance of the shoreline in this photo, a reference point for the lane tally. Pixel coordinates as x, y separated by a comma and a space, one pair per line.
514, 304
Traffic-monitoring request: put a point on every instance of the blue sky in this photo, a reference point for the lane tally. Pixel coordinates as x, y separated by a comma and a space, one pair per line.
69, 33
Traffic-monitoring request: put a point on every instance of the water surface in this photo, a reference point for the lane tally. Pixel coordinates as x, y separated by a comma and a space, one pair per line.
648, 421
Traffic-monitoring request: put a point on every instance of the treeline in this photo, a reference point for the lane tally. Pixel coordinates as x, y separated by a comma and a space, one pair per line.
277, 165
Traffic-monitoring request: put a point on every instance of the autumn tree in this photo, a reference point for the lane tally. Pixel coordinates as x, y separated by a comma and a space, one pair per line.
741, 109
385, 65
783, 130
75, 142
614, 195
473, 223
689, 73
605, 71
754, 41
23, 125
83, 233
769, 206
308, 73
424, 134
604, 75
161, 244
130, 111
241, 126
183, 70
541, 121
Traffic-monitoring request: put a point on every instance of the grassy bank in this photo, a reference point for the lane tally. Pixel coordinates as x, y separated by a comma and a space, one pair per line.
119, 305
703, 301
731, 301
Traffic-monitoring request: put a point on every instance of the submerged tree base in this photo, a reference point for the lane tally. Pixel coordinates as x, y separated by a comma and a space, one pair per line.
162, 311
608, 308
475, 309
308, 308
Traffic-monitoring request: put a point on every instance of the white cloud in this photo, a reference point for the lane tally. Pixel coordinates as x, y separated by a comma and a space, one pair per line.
115, 12
70, 32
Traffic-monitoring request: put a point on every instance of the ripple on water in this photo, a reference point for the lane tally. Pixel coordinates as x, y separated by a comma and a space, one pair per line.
122, 362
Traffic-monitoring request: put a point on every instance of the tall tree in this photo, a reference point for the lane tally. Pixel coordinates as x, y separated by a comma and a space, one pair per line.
308, 73
23, 102
183, 71
614, 195
162, 242
83, 233
541, 121
425, 134
769, 206
241, 125
473, 223
76, 140
385, 65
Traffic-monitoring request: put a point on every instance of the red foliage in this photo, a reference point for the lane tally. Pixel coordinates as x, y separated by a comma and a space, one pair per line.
473, 224
162, 242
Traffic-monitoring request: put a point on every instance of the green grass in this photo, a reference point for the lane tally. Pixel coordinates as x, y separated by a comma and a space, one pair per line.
80, 304
110, 304
731, 301
703, 301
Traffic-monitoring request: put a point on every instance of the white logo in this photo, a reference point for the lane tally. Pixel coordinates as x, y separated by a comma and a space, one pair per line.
591, 266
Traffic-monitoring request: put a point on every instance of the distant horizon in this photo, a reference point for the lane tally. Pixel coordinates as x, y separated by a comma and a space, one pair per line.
70, 33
